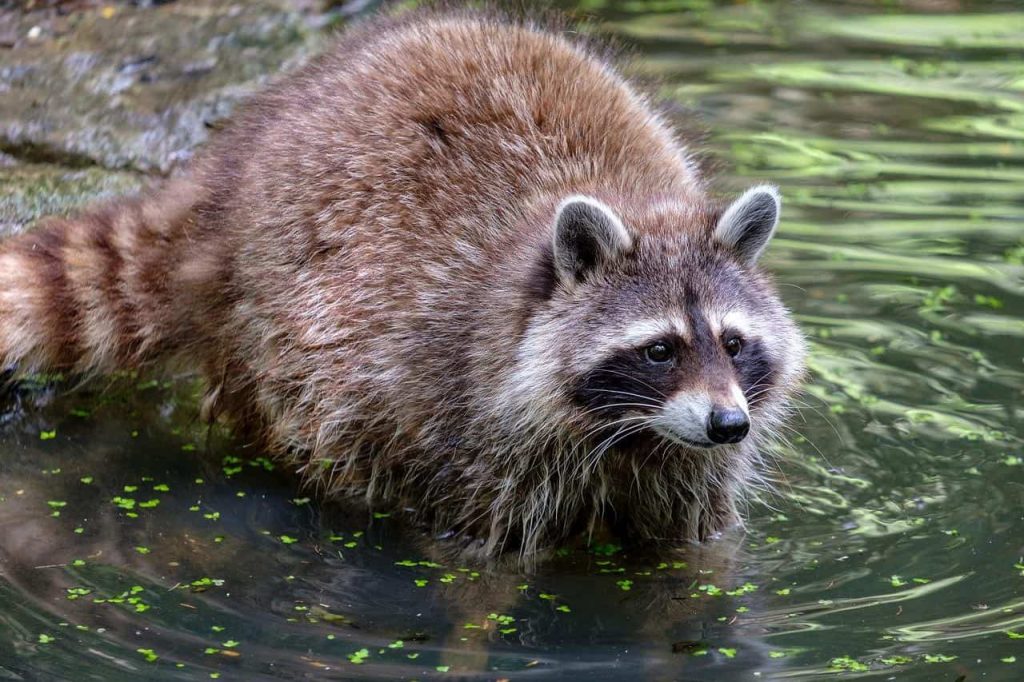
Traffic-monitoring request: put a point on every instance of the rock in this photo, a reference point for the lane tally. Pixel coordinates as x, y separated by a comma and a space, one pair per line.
30, 191
95, 96
133, 88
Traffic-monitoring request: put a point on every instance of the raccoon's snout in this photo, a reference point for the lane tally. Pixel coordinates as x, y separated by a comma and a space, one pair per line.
695, 418
727, 425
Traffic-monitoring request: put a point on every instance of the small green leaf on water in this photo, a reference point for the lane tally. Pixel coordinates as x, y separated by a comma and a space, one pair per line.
745, 588
263, 462
142, 550
86, 479
1015, 635
47, 435
45, 639
74, 593
203, 584
1009, 659
563, 608
397, 644
56, 504
162, 488
606, 549
380, 515
357, 657
988, 301
421, 582
897, 581
230, 644
897, 660
776, 654
783, 592
148, 654
501, 619
728, 653
847, 663
442, 668
288, 540
149, 504
938, 658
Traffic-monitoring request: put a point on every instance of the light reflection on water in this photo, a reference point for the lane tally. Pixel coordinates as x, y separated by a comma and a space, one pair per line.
892, 546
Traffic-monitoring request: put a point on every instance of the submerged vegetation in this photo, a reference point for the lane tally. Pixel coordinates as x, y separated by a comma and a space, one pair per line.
137, 543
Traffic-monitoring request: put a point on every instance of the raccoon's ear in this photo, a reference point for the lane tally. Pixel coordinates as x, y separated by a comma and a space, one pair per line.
748, 224
587, 235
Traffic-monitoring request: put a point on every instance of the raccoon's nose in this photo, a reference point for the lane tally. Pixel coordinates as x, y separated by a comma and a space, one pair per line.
727, 425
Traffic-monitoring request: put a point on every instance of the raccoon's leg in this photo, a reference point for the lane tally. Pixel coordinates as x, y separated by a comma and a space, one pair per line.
111, 288
471, 602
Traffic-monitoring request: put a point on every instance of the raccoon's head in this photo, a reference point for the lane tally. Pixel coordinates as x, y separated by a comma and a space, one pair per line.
659, 323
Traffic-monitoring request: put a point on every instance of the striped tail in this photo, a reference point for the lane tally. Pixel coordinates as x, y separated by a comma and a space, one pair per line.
99, 291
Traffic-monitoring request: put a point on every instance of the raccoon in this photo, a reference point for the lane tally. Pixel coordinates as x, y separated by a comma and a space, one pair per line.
456, 263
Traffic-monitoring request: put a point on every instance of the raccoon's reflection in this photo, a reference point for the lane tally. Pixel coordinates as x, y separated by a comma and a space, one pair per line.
241, 547
660, 610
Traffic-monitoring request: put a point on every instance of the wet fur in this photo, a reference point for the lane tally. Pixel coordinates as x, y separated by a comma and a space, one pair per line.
361, 266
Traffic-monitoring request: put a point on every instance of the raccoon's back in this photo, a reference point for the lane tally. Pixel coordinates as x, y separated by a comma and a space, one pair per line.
381, 208
415, 136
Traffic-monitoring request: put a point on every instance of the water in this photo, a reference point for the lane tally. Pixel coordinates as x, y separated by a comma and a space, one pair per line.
892, 547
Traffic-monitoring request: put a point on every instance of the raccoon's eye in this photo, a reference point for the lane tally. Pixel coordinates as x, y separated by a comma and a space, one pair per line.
658, 353
733, 346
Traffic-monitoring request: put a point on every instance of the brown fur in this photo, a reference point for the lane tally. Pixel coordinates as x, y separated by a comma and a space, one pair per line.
357, 266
